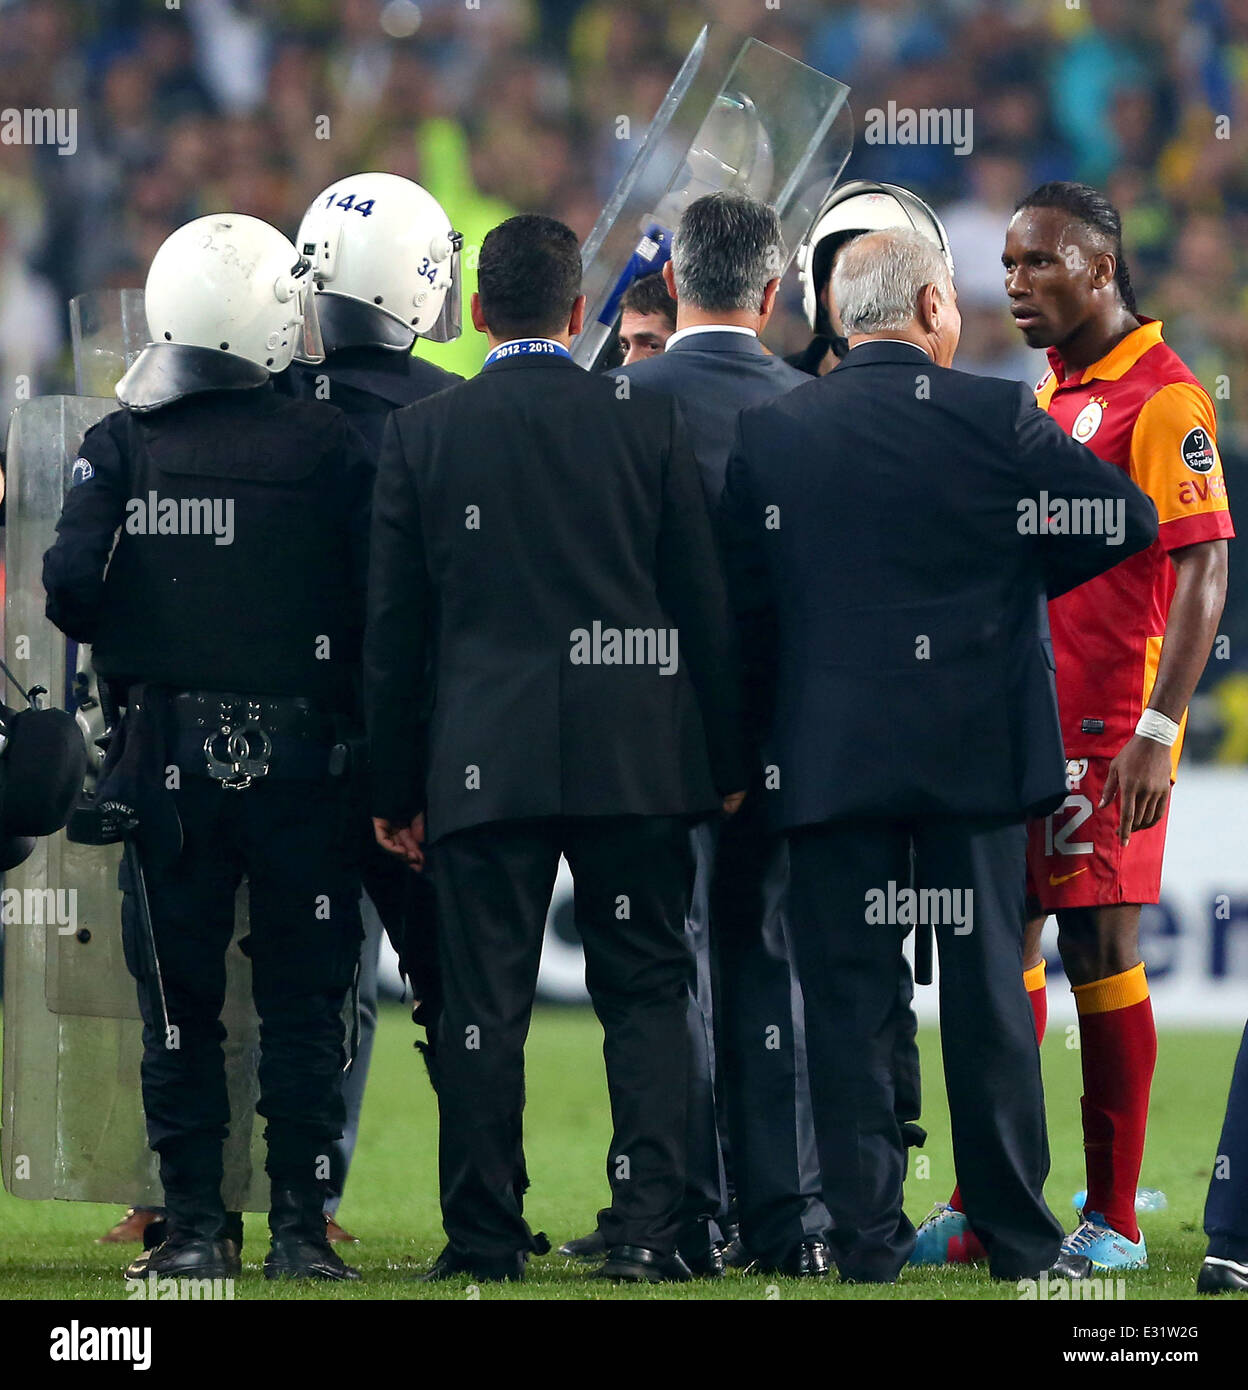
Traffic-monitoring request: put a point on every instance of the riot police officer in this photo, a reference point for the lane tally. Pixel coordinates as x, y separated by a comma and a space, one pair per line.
385, 263
227, 621
849, 210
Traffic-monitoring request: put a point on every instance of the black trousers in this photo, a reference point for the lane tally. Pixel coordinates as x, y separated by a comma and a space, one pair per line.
494, 883
708, 1179
740, 889
848, 968
1226, 1208
290, 840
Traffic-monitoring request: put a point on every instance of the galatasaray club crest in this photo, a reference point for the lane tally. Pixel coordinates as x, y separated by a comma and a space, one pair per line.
1088, 421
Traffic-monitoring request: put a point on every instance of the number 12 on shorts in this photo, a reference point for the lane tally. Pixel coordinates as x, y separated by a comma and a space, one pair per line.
1057, 837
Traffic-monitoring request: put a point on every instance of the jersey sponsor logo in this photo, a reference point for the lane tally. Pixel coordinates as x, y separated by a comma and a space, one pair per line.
1056, 880
83, 470
1198, 451
1076, 771
1193, 490
1088, 421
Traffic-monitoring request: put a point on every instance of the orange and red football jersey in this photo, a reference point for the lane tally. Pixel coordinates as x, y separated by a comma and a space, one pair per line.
1140, 408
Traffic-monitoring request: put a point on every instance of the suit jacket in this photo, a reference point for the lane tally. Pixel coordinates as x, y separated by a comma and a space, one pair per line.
714, 376
525, 523
891, 588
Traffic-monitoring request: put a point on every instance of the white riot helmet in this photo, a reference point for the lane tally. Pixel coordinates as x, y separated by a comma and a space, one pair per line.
849, 210
385, 259
234, 284
229, 302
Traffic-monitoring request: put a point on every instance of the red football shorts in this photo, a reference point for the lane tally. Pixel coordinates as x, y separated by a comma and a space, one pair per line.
1074, 858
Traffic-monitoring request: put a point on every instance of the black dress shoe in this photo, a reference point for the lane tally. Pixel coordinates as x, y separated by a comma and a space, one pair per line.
455, 1264
1068, 1266
188, 1256
590, 1247
809, 1260
734, 1253
705, 1264
297, 1257
634, 1264
1222, 1276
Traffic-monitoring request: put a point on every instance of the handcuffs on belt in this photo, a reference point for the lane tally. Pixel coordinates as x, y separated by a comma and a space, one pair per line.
247, 748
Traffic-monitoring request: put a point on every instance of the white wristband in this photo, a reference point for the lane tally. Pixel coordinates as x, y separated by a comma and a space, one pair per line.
1157, 726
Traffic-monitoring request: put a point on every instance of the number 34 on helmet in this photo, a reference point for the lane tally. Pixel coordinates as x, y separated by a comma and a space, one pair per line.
385, 260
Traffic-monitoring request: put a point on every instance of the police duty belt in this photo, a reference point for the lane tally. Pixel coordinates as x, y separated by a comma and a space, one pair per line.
239, 749
243, 738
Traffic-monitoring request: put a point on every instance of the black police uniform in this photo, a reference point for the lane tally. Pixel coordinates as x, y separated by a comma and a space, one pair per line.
259, 636
369, 381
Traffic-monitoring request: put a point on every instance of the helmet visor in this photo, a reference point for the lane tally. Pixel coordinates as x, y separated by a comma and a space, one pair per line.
449, 323
309, 345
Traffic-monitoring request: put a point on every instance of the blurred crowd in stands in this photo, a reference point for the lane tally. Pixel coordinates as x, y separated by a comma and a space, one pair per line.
192, 106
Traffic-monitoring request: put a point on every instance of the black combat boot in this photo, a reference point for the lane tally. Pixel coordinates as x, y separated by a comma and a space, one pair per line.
193, 1240
301, 1249
158, 1231
194, 1244
188, 1255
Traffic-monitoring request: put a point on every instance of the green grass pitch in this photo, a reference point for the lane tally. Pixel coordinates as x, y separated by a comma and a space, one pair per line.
48, 1249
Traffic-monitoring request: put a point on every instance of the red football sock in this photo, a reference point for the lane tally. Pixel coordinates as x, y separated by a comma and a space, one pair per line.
1118, 1048
1033, 981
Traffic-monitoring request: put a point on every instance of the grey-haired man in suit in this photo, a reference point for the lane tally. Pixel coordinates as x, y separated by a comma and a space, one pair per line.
727, 257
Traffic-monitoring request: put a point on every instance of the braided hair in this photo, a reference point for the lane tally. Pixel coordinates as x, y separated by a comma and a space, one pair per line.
1094, 210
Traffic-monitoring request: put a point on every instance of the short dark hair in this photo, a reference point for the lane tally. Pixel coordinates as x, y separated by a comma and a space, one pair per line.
647, 296
727, 248
529, 276
1095, 211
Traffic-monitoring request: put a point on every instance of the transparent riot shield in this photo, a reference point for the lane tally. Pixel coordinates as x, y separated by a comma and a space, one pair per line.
109, 329
72, 1119
740, 115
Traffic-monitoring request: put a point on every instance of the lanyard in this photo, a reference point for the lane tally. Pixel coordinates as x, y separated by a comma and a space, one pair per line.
520, 347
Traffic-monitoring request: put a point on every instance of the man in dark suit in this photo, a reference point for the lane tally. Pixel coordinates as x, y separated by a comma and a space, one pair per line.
892, 531
1225, 1267
543, 562
724, 275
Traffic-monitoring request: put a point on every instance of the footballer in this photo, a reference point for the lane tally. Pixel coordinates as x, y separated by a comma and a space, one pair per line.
1130, 647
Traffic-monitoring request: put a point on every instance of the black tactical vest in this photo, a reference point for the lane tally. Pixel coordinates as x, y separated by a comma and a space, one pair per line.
238, 565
